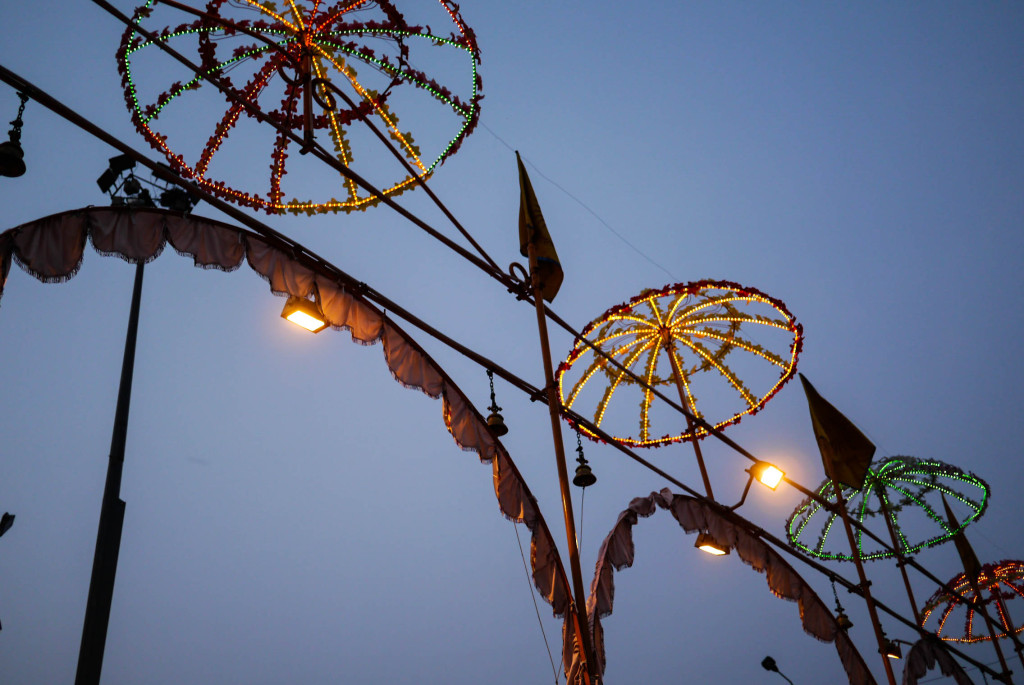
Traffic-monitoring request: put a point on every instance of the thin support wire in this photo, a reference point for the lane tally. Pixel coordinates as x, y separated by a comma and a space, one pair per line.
533, 596
582, 204
582, 460
583, 496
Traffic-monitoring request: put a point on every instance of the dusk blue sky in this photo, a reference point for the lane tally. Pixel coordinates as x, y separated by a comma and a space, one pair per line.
296, 516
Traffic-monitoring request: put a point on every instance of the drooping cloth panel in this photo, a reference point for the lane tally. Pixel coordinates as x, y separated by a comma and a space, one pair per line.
926, 654
617, 552
51, 249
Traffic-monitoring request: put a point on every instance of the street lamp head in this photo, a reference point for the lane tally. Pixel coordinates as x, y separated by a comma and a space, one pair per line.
302, 312
891, 648
707, 543
768, 474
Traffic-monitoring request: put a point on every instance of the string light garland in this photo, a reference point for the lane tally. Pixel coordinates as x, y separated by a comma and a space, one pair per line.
308, 48
701, 324
1004, 579
895, 486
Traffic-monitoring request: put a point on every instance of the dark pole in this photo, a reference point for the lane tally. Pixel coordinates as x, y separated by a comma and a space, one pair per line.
554, 404
108, 537
865, 584
1005, 675
900, 558
677, 375
1011, 632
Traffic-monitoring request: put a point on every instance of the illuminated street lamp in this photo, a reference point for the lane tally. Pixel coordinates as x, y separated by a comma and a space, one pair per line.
769, 474
707, 543
891, 648
302, 312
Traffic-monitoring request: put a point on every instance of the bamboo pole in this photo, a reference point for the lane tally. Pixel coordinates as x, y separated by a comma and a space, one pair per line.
677, 375
1011, 631
865, 585
580, 600
900, 560
991, 628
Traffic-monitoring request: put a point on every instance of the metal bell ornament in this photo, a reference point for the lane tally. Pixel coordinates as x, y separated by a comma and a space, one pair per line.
842, 619
12, 157
495, 421
584, 475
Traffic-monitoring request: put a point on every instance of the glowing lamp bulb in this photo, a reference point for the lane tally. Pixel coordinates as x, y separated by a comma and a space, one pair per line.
770, 476
306, 321
706, 543
711, 549
302, 312
891, 650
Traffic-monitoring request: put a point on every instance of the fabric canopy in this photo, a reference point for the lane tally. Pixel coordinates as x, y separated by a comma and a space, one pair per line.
51, 249
925, 655
693, 515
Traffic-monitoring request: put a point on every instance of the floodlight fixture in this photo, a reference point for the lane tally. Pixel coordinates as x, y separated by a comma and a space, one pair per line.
302, 312
891, 648
178, 200
707, 543
115, 167
768, 474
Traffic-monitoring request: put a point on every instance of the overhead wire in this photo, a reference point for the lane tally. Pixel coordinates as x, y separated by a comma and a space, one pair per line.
533, 596
582, 204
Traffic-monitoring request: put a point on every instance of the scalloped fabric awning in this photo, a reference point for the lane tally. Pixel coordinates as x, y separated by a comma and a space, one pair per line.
51, 249
617, 553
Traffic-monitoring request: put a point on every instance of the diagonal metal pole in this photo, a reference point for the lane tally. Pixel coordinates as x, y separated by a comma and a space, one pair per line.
108, 537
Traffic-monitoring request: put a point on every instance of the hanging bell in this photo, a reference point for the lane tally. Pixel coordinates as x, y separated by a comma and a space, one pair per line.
495, 421
12, 159
584, 476
842, 620
497, 424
